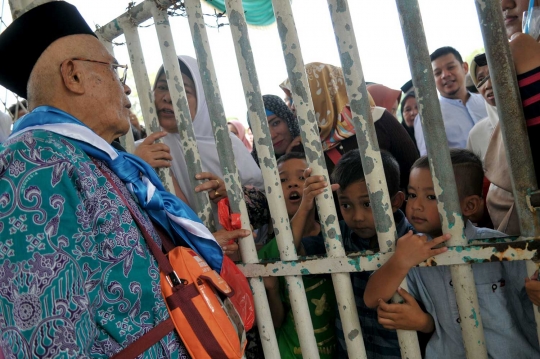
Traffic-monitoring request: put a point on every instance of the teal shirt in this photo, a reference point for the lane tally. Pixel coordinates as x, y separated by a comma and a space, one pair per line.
76, 277
322, 307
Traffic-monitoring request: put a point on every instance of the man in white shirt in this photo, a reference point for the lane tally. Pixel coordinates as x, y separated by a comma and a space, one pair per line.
5, 126
461, 110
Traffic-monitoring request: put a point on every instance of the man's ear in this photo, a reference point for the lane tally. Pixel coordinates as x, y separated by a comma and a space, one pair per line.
397, 200
465, 66
472, 207
72, 76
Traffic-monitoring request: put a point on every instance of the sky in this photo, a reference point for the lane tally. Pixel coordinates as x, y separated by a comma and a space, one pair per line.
376, 25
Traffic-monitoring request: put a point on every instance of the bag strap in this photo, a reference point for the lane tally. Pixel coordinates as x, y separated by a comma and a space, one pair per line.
147, 340
180, 298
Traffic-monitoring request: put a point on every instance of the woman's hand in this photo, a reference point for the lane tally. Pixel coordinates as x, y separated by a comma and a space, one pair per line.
297, 141
156, 155
214, 185
228, 239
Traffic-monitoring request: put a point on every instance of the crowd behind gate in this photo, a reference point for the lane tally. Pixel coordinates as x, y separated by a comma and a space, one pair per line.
77, 278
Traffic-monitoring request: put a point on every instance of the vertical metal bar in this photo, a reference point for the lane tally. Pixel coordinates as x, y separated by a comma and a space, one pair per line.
442, 173
512, 121
509, 108
313, 148
146, 95
201, 203
232, 181
369, 148
262, 136
127, 141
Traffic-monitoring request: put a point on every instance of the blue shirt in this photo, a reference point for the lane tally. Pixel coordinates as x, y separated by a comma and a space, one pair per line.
458, 121
506, 312
380, 343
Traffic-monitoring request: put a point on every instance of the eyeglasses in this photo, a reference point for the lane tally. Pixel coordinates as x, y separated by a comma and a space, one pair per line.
482, 82
115, 67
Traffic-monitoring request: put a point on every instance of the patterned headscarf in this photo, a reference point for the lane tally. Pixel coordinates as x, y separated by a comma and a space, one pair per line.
330, 102
278, 107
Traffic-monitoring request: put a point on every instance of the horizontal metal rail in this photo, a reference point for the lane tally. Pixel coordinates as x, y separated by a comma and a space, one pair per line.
478, 252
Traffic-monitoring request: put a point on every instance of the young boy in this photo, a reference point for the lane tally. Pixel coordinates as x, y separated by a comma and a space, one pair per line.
359, 234
299, 194
507, 316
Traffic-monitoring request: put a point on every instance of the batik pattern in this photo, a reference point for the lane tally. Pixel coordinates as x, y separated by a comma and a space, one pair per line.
76, 277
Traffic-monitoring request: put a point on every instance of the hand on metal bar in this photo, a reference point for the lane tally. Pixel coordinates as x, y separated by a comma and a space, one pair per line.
214, 185
407, 315
156, 155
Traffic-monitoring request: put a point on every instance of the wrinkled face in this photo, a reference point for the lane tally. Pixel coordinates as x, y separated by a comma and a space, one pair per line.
356, 209
280, 134
485, 90
513, 14
449, 75
291, 174
109, 96
164, 106
421, 209
232, 129
409, 111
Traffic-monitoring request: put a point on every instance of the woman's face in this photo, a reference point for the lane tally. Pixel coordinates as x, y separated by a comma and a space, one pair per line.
232, 129
279, 131
410, 110
164, 105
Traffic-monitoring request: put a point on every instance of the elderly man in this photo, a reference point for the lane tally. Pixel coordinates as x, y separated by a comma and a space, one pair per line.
76, 276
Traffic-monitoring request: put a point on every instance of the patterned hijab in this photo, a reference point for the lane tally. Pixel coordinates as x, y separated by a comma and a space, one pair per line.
278, 107
330, 102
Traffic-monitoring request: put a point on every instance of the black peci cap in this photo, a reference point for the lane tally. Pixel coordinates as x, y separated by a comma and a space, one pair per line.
25, 39
407, 87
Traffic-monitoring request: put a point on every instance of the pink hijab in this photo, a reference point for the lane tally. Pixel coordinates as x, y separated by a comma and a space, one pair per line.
384, 96
241, 133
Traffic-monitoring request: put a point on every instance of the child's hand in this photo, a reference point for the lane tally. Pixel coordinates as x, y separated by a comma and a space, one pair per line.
532, 286
413, 249
271, 283
313, 186
406, 316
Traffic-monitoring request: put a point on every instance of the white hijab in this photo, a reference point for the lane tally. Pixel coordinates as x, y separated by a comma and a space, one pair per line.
250, 173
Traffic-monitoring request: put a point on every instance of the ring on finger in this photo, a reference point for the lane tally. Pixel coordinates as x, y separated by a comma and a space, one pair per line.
217, 181
216, 194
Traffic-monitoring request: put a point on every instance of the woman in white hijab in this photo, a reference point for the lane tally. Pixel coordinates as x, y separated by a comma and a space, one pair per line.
171, 153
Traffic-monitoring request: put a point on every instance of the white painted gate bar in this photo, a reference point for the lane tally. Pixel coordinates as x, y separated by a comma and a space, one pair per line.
369, 149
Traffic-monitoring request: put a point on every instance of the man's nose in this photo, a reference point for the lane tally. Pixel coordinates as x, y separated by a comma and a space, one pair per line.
127, 90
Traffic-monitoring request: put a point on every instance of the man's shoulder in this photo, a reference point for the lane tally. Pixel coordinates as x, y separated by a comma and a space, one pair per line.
41, 141
38, 148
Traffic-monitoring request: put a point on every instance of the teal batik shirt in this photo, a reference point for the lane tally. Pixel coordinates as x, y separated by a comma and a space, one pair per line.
76, 277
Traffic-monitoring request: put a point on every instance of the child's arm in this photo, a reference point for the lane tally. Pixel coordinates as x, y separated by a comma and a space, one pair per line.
406, 316
271, 284
313, 186
532, 286
411, 250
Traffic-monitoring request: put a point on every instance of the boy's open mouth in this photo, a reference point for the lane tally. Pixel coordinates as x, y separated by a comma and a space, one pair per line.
294, 196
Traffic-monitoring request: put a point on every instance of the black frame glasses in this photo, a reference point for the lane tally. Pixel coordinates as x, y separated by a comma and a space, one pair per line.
114, 66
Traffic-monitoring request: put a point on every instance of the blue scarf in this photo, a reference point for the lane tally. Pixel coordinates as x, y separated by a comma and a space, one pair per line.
177, 218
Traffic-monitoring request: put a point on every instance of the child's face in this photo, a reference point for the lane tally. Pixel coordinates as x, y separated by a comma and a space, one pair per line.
422, 210
291, 173
356, 209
